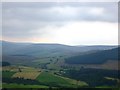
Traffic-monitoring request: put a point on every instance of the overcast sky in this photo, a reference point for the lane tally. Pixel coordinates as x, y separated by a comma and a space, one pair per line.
65, 23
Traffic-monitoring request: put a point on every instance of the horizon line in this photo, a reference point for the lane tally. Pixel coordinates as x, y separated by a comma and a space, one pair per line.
61, 43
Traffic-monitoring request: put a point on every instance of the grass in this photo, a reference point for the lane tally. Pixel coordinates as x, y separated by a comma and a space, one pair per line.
26, 75
110, 78
7, 74
29, 69
14, 85
41, 61
10, 68
47, 78
54, 80
16, 68
53, 66
52, 63
105, 87
26, 72
51, 79
72, 81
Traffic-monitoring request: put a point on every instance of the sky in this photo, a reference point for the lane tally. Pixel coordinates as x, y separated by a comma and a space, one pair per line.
69, 23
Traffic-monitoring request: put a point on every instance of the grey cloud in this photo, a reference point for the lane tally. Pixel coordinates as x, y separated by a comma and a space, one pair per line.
23, 29
53, 4
21, 20
29, 11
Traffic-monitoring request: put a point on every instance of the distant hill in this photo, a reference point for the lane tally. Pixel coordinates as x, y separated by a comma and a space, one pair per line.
27, 52
6, 64
98, 57
11, 48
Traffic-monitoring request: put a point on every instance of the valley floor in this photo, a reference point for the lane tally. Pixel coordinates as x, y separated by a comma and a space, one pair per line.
30, 77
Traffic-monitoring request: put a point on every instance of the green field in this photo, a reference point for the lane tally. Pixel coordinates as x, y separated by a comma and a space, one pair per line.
51, 79
45, 78
41, 78
14, 85
7, 74
54, 80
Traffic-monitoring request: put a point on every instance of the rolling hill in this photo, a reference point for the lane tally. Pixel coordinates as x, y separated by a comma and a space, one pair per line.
41, 49
28, 52
98, 57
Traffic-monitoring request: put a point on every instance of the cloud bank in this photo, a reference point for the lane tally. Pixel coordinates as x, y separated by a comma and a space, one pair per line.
64, 23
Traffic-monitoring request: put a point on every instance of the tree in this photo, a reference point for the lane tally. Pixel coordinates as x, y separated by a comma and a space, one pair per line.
19, 70
6, 64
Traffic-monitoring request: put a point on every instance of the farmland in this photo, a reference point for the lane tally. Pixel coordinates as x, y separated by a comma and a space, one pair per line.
57, 68
55, 80
51, 71
14, 85
20, 72
26, 75
43, 78
40, 78
8, 74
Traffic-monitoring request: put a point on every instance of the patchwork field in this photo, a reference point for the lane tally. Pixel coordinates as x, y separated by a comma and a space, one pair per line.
26, 75
21, 72
22, 68
51, 76
40, 78
10, 68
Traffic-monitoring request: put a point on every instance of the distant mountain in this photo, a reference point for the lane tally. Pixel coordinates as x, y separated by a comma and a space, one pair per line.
39, 50
98, 57
97, 47
10, 47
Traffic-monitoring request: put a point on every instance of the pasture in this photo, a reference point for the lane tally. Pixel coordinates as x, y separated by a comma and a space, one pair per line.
42, 76
21, 72
51, 79
7, 74
14, 85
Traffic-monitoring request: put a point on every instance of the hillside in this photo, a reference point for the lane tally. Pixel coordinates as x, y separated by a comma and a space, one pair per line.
45, 49
54, 65
22, 53
98, 57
